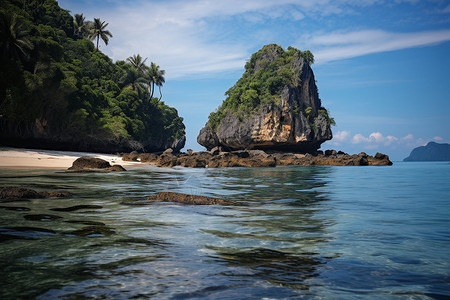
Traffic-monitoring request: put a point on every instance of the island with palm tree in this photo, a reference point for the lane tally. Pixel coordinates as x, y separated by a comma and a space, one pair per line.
59, 91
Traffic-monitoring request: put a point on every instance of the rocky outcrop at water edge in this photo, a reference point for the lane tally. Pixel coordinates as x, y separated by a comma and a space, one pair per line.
218, 158
274, 106
94, 164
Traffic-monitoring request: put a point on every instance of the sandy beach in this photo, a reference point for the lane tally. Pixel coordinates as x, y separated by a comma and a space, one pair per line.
17, 158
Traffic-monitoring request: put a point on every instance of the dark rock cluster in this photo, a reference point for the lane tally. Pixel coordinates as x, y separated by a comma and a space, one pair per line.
94, 164
217, 158
13, 192
187, 199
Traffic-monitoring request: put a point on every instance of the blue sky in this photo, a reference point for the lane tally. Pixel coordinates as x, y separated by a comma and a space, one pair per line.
382, 67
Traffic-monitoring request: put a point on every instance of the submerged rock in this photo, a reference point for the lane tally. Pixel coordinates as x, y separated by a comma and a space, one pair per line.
9, 192
13, 192
86, 222
94, 164
26, 233
42, 217
77, 207
92, 231
187, 199
15, 208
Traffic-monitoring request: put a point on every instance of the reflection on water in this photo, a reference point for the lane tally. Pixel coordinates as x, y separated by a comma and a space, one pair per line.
280, 268
293, 233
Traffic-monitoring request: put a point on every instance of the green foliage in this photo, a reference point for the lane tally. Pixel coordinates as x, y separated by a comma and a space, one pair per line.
216, 117
308, 56
53, 75
329, 119
155, 76
308, 110
267, 73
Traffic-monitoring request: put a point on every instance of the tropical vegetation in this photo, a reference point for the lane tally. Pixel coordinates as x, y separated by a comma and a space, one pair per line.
55, 83
262, 83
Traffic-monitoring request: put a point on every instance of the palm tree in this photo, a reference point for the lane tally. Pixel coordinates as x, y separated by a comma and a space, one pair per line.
14, 41
80, 27
159, 81
137, 63
134, 81
155, 76
99, 31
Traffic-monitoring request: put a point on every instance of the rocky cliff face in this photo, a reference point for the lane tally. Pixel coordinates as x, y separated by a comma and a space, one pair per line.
288, 118
49, 139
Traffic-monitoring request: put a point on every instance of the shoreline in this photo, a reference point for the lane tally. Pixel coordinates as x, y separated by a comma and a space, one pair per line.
22, 158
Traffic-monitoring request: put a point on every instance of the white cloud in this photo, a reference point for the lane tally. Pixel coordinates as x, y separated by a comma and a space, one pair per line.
201, 37
191, 37
408, 137
340, 137
359, 139
376, 139
438, 138
342, 45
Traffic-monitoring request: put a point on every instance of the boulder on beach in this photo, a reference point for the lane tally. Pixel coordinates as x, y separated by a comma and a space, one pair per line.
94, 164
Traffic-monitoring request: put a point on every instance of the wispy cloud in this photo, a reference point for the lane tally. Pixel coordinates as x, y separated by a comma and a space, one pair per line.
191, 37
201, 37
377, 140
341, 45
341, 136
446, 9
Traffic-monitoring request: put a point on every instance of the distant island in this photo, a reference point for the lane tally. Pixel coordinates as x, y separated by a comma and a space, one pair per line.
58, 91
431, 152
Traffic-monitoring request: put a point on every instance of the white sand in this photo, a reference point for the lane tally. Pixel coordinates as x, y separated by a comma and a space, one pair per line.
17, 158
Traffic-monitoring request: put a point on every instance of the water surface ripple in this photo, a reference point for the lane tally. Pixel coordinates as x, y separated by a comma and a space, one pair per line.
314, 232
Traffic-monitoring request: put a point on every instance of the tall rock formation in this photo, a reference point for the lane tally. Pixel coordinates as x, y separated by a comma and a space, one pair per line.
274, 106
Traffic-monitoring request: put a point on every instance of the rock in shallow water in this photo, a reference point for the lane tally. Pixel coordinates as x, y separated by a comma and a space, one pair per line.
77, 207
16, 208
187, 199
13, 192
86, 222
27, 233
94, 164
92, 231
42, 217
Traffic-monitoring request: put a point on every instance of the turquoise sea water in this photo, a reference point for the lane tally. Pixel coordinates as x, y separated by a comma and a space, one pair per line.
316, 232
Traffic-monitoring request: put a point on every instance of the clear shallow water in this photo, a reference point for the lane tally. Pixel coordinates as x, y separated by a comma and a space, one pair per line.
313, 232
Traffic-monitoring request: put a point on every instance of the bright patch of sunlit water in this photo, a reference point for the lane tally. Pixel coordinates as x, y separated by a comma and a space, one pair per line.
318, 232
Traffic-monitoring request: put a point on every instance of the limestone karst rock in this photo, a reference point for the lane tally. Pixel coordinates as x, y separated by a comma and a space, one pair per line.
274, 106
